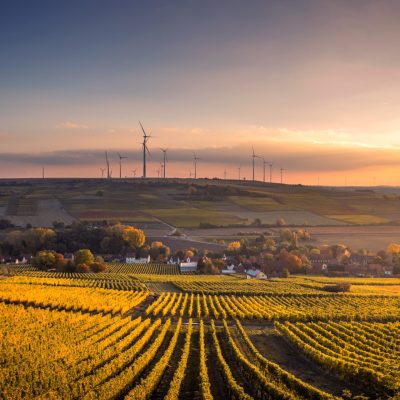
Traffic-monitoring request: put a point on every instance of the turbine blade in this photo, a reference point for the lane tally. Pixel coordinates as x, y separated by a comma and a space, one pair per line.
144, 132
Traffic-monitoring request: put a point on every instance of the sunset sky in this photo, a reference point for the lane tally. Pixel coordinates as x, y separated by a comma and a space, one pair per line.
314, 86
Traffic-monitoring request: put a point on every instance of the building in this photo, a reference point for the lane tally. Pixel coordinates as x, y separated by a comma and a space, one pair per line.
255, 274
134, 260
230, 269
188, 265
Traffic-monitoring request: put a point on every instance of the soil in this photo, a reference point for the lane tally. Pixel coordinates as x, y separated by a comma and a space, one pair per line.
274, 347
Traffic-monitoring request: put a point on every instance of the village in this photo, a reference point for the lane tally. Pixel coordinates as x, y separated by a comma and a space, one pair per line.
262, 257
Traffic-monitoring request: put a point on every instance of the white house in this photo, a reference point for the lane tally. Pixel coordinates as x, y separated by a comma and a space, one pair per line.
134, 260
230, 269
188, 265
255, 274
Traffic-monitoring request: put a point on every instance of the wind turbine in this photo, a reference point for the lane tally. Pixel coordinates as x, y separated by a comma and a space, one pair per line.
239, 168
134, 172
265, 162
120, 164
195, 158
102, 172
165, 158
270, 172
282, 175
254, 156
145, 148
225, 173
108, 166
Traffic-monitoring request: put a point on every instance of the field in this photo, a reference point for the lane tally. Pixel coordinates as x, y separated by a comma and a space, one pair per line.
189, 203
127, 334
207, 211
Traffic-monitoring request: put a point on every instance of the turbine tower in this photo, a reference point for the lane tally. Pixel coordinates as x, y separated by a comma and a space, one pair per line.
195, 159
145, 148
254, 156
108, 166
165, 159
265, 162
120, 164
270, 172
239, 168
282, 175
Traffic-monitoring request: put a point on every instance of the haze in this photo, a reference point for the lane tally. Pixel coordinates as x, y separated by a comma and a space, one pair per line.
314, 86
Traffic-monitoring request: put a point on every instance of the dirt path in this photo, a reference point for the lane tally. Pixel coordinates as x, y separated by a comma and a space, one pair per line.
190, 384
274, 347
163, 386
218, 385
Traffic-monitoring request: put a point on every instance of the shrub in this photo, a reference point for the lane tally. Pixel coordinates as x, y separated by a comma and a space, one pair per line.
338, 288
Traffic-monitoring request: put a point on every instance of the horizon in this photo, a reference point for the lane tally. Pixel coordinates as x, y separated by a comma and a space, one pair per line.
313, 86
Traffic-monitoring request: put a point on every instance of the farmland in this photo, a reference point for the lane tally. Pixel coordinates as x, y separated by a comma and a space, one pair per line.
133, 335
207, 211
188, 203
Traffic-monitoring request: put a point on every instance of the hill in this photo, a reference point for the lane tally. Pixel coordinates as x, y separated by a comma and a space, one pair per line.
183, 203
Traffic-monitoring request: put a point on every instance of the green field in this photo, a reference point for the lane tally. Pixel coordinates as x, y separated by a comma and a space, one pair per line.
191, 203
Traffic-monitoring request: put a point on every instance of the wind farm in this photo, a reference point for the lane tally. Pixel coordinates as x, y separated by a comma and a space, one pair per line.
200, 200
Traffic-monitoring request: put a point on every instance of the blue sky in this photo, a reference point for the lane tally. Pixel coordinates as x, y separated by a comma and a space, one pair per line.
280, 75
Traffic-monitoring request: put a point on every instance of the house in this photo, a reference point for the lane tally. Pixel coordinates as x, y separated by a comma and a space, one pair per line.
134, 260
189, 265
255, 274
230, 269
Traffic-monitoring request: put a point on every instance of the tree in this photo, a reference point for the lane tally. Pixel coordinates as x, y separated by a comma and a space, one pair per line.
294, 262
280, 222
98, 266
286, 235
256, 222
60, 262
315, 252
83, 268
393, 248
133, 236
189, 253
234, 246
83, 256
285, 273
44, 260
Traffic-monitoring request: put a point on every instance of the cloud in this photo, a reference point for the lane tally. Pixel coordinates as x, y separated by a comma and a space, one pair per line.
297, 157
73, 125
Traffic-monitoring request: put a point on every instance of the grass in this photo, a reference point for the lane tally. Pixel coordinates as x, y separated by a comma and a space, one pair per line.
126, 200
187, 217
361, 219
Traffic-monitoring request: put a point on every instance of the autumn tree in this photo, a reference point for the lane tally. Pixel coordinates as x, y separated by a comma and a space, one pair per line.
83, 256
44, 260
133, 236
234, 246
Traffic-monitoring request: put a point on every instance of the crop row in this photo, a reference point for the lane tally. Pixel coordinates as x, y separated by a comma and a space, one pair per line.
294, 308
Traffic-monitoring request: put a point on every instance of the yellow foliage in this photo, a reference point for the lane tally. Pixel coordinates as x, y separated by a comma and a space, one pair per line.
134, 236
234, 245
393, 248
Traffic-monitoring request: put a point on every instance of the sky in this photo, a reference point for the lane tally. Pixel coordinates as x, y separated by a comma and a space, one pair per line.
312, 85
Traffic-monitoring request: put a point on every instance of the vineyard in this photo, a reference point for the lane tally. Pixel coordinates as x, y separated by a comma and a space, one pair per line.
118, 335
270, 308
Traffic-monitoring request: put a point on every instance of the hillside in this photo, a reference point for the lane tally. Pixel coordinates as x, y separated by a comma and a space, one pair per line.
160, 204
